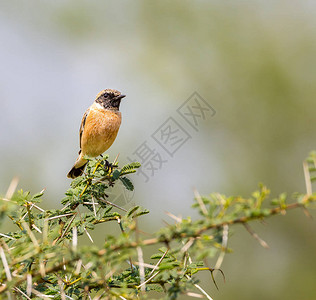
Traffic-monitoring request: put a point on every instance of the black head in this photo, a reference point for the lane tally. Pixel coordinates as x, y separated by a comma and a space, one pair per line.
109, 99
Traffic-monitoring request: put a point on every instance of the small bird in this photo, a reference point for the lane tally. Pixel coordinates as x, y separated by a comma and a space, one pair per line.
98, 129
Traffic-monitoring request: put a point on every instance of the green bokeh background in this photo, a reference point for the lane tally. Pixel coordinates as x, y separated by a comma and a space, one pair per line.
253, 61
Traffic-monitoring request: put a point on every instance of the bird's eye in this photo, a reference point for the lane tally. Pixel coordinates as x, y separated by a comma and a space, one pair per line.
106, 95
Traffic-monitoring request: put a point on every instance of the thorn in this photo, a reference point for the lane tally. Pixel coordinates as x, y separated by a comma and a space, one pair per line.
116, 158
172, 216
256, 236
307, 213
12, 187
200, 201
307, 179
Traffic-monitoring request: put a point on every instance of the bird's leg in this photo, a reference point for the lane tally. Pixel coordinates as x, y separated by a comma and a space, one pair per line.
108, 166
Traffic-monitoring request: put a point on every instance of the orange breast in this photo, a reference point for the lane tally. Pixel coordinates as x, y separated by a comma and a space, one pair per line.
100, 130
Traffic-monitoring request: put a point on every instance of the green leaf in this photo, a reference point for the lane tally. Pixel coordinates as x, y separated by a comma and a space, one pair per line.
131, 166
143, 212
154, 287
156, 256
116, 174
127, 183
168, 266
132, 210
38, 195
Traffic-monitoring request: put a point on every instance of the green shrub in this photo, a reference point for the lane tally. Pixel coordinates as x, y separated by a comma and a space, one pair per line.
44, 257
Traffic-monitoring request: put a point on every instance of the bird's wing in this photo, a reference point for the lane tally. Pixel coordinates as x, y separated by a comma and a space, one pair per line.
83, 122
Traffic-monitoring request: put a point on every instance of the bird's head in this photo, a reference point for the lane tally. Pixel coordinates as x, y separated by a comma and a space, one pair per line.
109, 99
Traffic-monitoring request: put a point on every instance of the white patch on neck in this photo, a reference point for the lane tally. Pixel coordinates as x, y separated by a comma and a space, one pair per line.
98, 105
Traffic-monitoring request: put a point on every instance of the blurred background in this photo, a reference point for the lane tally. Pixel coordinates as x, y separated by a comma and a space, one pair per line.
252, 61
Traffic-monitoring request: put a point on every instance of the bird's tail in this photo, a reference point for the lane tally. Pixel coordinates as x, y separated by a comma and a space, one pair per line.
75, 172
78, 167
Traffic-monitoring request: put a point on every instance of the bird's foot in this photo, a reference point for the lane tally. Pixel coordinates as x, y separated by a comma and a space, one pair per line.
109, 167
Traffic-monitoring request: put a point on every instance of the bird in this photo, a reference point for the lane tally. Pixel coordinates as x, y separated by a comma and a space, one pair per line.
99, 127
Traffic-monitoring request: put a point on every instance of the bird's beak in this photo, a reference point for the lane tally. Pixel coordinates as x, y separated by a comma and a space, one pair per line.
120, 97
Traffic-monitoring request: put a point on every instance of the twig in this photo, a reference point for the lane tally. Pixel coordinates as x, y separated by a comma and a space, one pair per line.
178, 235
196, 234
